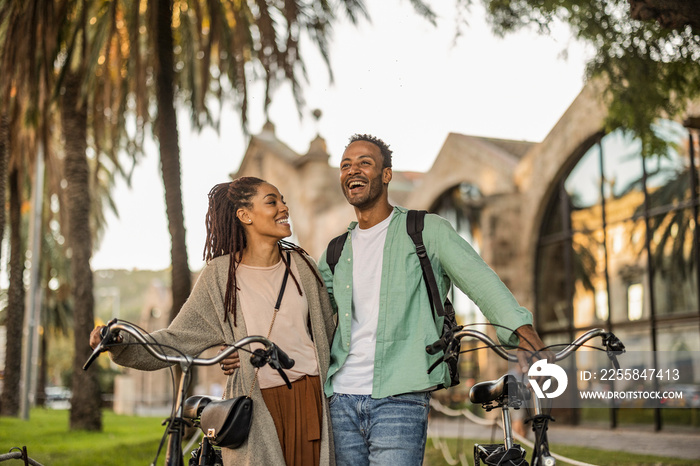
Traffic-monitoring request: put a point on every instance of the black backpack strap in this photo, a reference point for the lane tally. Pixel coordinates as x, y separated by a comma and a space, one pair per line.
334, 249
414, 228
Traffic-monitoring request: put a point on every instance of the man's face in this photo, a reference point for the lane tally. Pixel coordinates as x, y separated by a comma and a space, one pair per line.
361, 175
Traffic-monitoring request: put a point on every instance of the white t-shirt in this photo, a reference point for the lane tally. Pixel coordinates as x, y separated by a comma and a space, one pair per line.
355, 377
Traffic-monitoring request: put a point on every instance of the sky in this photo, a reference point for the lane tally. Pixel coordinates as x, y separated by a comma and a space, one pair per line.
399, 78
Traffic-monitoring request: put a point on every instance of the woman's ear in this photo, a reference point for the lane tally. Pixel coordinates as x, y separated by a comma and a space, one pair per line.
243, 216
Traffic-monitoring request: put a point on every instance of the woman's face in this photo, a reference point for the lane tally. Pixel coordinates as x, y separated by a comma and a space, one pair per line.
268, 215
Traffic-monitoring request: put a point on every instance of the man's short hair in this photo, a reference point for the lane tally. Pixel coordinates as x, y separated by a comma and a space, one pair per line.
383, 147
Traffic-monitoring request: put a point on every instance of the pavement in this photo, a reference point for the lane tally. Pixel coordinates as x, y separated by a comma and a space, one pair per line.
671, 444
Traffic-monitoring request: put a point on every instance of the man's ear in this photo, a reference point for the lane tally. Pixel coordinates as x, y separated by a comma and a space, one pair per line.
387, 175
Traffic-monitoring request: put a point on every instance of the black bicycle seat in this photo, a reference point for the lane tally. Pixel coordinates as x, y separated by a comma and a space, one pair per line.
193, 406
491, 390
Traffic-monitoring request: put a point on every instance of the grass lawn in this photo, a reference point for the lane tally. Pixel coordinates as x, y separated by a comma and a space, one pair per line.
125, 440
434, 456
130, 440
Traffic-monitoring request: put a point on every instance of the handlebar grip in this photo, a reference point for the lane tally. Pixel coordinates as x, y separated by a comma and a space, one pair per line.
285, 361
436, 347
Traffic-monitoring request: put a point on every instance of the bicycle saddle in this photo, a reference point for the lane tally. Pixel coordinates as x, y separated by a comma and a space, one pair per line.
484, 392
193, 406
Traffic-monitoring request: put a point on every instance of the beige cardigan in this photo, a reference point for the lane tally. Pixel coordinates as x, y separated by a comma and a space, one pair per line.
200, 325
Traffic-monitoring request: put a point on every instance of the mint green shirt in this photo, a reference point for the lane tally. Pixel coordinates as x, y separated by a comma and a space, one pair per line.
405, 323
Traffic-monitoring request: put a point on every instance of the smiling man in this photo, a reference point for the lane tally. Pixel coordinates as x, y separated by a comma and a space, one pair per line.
378, 380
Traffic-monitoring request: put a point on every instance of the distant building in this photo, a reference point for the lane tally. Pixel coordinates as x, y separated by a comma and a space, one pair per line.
563, 222
583, 231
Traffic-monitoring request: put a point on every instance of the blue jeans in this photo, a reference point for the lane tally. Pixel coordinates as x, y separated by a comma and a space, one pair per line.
386, 431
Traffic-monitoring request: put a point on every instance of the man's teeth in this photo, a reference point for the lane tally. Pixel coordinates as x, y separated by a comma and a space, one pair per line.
283, 220
356, 184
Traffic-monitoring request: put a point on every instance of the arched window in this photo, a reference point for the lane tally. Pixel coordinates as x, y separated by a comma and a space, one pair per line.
618, 246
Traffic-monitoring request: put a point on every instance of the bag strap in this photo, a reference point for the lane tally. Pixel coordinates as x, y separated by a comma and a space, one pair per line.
334, 249
274, 316
414, 228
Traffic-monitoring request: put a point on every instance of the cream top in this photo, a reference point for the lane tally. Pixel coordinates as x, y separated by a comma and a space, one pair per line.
259, 288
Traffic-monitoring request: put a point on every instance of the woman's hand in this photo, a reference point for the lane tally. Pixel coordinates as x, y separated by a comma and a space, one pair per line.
230, 364
95, 336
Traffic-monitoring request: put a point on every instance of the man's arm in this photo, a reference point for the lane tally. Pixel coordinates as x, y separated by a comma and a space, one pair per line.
468, 271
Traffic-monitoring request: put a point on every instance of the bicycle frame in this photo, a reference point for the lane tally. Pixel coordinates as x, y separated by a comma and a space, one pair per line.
541, 455
176, 423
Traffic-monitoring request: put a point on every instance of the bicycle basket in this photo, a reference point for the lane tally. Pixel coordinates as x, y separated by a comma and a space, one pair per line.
227, 423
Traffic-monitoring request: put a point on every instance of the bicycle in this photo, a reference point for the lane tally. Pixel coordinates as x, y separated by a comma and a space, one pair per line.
187, 412
507, 392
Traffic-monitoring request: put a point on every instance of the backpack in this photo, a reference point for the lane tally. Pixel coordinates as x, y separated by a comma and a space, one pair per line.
414, 228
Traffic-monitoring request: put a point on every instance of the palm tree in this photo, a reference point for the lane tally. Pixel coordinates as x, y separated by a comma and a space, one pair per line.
35, 36
85, 410
99, 47
23, 93
227, 37
4, 155
167, 135
9, 406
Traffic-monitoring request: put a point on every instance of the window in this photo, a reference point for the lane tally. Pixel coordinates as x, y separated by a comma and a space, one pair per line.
618, 248
617, 245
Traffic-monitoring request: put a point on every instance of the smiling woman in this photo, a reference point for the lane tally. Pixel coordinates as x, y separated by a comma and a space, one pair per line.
242, 291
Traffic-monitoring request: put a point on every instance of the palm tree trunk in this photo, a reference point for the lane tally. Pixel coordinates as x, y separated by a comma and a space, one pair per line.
40, 395
167, 133
15, 303
4, 157
85, 410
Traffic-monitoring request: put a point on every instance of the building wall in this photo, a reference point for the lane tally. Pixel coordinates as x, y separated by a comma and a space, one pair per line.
542, 167
515, 178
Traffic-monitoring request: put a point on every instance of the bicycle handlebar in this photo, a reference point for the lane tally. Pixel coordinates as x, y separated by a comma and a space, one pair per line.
271, 354
613, 345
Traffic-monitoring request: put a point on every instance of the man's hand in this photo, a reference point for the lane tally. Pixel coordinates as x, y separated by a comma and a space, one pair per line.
531, 348
230, 364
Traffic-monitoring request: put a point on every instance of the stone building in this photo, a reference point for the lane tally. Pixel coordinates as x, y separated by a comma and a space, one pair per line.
563, 222
583, 230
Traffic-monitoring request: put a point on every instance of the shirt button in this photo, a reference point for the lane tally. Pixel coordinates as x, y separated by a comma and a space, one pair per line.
346, 314
349, 260
347, 286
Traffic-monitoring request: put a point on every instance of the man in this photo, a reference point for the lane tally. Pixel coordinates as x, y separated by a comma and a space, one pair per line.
377, 379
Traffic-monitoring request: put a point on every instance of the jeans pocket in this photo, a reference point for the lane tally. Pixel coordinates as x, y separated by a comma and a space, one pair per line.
332, 399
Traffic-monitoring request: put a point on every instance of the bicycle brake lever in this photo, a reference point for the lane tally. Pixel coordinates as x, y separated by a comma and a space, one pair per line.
277, 362
446, 340
276, 358
451, 352
613, 348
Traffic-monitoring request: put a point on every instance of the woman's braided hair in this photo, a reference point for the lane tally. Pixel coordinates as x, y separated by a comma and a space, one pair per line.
226, 235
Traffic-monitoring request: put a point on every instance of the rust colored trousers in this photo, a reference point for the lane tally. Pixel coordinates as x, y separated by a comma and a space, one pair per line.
297, 416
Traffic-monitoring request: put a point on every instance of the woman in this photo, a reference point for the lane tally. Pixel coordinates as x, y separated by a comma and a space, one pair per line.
235, 296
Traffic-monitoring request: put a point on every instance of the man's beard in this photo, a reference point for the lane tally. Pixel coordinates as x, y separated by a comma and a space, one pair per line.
376, 188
